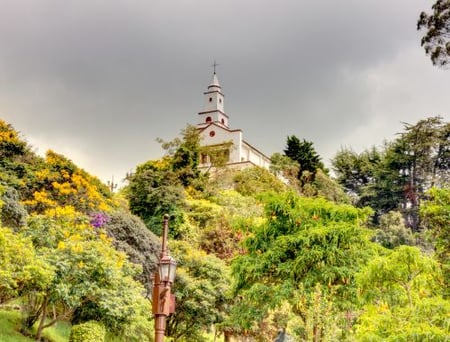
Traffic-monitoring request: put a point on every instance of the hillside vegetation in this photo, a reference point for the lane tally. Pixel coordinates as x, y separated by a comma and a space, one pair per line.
261, 253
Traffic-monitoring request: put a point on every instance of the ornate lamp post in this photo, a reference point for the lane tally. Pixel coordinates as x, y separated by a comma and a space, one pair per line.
163, 300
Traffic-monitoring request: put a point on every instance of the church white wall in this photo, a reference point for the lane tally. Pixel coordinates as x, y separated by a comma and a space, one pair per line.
222, 136
254, 156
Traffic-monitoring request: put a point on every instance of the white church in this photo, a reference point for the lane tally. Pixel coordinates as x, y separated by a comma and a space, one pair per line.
216, 133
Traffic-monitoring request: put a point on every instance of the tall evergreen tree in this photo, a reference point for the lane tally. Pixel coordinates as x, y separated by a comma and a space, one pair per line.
304, 154
398, 177
356, 171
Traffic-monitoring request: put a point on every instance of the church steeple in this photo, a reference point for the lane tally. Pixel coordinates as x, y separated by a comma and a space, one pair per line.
214, 104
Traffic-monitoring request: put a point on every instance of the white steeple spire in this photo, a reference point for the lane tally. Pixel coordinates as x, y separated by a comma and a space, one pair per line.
214, 82
214, 104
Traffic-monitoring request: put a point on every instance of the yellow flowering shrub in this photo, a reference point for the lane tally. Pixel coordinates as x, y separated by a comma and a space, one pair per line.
59, 182
10, 142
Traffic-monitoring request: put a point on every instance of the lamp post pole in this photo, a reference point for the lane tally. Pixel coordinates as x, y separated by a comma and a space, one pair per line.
163, 301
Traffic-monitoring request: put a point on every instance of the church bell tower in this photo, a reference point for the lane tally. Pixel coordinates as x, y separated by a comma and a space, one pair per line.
214, 105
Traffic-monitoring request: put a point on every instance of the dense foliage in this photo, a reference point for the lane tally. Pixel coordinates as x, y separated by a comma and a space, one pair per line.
302, 243
436, 215
201, 288
397, 176
57, 260
305, 155
261, 253
402, 292
87, 332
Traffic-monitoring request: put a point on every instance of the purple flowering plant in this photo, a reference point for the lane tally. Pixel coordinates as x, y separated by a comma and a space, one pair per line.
98, 219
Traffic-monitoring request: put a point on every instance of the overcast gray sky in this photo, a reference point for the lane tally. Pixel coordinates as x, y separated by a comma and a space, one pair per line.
100, 80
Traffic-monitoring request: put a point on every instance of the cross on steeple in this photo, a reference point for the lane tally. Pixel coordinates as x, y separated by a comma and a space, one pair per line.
214, 66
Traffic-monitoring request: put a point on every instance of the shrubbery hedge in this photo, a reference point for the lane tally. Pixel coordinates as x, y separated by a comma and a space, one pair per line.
91, 331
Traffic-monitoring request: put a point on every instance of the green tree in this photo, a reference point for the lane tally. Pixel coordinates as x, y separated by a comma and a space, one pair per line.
130, 235
184, 155
398, 177
154, 190
392, 231
387, 193
12, 212
402, 295
436, 213
324, 186
320, 318
436, 40
372, 178
356, 171
402, 277
214, 233
221, 221
304, 154
200, 288
303, 242
22, 271
90, 278
423, 149
158, 187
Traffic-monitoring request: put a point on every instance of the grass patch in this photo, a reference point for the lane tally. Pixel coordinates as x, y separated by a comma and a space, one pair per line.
10, 326
58, 333
10, 322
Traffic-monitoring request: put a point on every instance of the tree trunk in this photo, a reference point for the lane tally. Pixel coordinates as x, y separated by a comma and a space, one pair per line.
316, 333
34, 313
42, 321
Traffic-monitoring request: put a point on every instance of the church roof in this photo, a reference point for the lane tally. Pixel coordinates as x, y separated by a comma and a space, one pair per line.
202, 128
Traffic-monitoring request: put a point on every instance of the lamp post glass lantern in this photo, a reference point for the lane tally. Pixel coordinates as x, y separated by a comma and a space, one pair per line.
167, 269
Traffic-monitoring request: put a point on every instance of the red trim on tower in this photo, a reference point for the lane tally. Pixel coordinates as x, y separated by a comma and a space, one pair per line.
213, 111
219, 126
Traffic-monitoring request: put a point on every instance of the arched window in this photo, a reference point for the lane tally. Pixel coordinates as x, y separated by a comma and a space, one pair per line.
208, 119
223, 122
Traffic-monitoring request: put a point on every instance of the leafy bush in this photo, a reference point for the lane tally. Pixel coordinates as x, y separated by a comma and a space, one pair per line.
131, 236
91, 331
255, 180
21, 270
13, 214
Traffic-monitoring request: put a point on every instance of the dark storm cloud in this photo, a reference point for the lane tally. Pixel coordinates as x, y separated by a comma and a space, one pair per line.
100, 80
